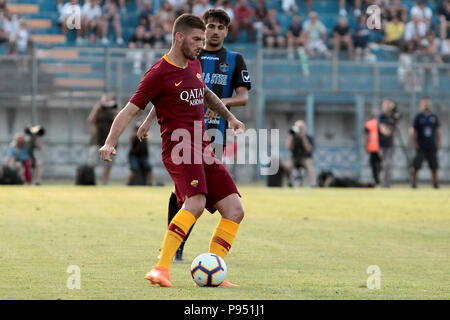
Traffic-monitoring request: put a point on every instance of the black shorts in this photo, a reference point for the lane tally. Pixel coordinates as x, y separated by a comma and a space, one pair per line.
429, 155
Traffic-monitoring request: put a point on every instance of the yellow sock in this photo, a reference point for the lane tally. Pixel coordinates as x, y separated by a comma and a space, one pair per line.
176, 232
223, 237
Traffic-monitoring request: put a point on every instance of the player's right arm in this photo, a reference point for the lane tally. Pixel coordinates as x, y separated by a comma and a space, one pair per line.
118, 126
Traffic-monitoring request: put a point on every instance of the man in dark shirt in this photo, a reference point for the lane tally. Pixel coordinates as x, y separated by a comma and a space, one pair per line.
101, 118
294, 35
443, 12
386, 134
301, 146
341, 34
138, 157
426, 139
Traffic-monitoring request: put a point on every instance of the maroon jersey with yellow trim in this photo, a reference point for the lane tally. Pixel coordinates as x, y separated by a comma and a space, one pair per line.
177, 94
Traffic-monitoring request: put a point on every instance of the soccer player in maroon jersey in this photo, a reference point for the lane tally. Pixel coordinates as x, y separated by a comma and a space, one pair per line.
175, 87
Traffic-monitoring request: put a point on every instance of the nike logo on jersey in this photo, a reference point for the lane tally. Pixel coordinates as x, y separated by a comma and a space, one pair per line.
178, 83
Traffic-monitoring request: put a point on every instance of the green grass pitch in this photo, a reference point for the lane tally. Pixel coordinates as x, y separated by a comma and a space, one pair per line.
293, 243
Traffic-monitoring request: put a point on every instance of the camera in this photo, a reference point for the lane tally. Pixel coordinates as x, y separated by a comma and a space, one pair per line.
295, 130
35, 131
395, 115
109, 104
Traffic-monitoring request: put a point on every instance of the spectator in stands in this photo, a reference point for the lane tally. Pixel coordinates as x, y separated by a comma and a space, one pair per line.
225, 5
91, 19
294, 36
177, 4
429, 47
111, 13
309, 5
315, 35
165, 18
396, 9
423, 12
244, 14
415, 30
260, 16
3, 34
200, 7
2, 6
272, 31
361, 39
22, 44
158, 39
289, 6
138, 40
301, 146
138, 157
186, 7
359, 6
70, 10
147, 11
394, 32
101, 118
405, 68
19, 157
443, 13
143, 21
429, 53
342, 35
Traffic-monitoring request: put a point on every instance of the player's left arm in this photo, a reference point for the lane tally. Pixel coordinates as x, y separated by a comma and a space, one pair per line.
239, 99
438, 137
216, 105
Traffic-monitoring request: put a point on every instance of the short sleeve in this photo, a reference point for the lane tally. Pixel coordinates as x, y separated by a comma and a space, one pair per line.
437, 121
149, 89
241, 76
311, 141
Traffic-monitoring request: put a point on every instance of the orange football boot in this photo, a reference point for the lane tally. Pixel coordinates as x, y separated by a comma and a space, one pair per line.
228, 284
160, 276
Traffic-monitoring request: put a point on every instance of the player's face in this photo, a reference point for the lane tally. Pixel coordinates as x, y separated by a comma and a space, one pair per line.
193, 43
215, 33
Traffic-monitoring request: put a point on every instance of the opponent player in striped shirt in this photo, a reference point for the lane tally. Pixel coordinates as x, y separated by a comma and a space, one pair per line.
176, 88
224, 72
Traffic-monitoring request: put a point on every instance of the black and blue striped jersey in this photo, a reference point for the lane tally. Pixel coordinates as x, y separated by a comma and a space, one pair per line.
223, 72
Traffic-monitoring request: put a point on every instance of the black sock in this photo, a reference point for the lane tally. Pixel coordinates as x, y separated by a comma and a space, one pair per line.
173, 210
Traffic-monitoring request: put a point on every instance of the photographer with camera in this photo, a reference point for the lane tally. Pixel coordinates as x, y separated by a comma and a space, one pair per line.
101, 118
426, 138
18, 159
34, 143
21, 164
301, 146
387, 124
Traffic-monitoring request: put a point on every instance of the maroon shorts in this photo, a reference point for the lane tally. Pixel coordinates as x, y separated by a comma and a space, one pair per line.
213, 180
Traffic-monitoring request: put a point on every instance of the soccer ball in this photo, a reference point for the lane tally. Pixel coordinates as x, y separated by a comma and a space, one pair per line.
208, 270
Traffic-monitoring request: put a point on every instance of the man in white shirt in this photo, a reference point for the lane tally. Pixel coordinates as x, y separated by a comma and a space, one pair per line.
91, 18
71, 11
422, 11
315, 35
200, 7
415, 30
